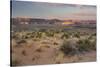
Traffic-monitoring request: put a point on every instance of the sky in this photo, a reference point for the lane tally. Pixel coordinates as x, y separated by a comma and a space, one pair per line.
53, 10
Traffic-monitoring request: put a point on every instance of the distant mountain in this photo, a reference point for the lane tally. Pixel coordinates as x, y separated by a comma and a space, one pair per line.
19, 24
17, 21
34, 20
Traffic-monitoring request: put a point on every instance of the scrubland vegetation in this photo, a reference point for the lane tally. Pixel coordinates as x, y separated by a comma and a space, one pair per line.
46, 46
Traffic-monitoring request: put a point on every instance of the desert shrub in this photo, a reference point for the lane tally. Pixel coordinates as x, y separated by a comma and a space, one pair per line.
93, 45
15, 36
90, 37
57, 31
32, 36
28, 33
26, 37
85, 45
47, 46
55, 43
68, 49
33, 58
38, 34
65, 35
21, 41
33, 32
49, 34
24, 52
94, 34
77, 35
39, 50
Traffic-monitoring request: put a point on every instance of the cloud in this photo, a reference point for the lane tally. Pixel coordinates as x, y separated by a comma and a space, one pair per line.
84, 14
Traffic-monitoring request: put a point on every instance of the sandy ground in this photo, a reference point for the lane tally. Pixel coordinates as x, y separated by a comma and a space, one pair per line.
46, 52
